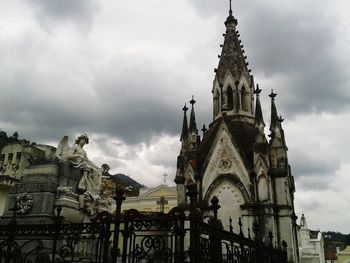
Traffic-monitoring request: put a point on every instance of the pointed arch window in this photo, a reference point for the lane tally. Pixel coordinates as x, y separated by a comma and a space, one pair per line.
244, 105
229, 98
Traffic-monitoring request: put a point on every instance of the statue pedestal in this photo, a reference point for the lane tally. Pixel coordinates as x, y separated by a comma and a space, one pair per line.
42, 183
69, 202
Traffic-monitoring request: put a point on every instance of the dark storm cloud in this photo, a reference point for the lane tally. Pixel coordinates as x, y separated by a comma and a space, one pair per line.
123, 100
299, 47
51, 12
139, 98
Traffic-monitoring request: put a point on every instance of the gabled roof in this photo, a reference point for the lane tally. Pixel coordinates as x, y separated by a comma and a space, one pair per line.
161, 190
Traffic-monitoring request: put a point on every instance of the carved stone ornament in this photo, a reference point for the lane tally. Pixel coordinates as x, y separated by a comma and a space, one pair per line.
24, 203
225, 164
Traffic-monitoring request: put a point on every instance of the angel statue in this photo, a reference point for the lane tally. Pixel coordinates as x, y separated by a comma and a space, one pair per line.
90, 182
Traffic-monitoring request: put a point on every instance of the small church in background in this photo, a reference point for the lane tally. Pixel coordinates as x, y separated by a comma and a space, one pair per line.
234, 160
161, 199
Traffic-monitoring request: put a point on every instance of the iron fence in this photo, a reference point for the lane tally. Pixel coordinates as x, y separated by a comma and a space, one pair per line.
133, 237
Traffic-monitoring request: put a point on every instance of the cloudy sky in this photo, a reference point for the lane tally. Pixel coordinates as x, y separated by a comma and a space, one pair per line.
122, 70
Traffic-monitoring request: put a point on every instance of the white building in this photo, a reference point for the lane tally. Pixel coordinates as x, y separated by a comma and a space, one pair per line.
311, 244
157, 199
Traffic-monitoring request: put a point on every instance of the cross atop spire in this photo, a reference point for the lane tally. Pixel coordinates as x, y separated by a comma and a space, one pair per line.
272, 95
185, 108
192, 101
230, 19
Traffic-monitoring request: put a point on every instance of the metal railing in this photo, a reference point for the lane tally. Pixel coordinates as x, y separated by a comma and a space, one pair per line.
133, 237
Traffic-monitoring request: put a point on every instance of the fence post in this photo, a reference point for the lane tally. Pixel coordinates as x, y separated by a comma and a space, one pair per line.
105, 237
180, 240
271, 248
284, 252
119, 198
11, 237
258, 250
215, 240
242, 252
194, 231
58, 221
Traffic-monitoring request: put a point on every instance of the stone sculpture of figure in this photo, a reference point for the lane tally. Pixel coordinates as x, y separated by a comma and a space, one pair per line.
90, 182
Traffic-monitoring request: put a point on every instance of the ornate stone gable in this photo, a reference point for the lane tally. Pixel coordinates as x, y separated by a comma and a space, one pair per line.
224, 158
261, 162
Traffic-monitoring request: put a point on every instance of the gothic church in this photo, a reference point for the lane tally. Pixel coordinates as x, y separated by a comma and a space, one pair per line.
233, 160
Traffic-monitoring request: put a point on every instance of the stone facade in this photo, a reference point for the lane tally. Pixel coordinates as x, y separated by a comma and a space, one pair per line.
14, 159
233, 160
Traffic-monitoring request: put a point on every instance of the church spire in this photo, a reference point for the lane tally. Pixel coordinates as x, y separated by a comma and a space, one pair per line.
231, 59
258, 112
233, 84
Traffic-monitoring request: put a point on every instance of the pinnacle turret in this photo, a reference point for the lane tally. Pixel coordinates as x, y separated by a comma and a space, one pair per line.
274, 115
192, 126
276, 129
258, 112
184, 132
